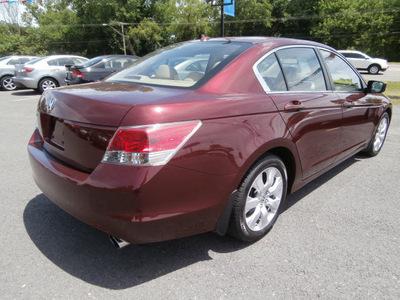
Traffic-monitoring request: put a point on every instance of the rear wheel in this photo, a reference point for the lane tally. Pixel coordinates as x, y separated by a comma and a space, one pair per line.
46, 84
378, 138
373, 69
259, 200
7, 83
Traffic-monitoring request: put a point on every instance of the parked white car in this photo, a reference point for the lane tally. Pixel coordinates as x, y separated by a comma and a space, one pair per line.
364, 62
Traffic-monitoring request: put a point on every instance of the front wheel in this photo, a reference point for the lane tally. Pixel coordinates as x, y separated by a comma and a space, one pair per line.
259, 200
7, 83
373, 69
46, 84
378, 138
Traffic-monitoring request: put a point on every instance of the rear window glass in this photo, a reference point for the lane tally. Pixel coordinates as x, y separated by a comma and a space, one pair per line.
92, 61
293, 69
302, 69
182, 65
35, 60
4, 58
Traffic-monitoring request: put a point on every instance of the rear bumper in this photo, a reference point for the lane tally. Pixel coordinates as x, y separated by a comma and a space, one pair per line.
25, 82
74, 81
136, 204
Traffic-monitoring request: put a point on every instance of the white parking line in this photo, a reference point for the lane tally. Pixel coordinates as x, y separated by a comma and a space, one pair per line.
26, 99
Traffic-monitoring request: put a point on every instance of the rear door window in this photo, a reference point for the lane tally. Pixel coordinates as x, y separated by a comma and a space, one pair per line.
302, 69
291, 69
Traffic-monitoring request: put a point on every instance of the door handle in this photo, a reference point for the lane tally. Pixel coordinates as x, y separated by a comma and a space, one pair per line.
348, 104
294, 105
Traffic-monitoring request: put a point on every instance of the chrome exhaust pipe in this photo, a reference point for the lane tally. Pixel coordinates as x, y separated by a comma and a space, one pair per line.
117, 242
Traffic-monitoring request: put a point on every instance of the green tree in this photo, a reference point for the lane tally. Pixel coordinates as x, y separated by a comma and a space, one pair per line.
147, 37
252, 17
358, 24
301, 18
190, 19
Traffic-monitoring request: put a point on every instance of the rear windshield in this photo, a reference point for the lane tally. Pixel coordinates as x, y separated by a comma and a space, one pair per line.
35, 60
4, 58
93, 61
181, 65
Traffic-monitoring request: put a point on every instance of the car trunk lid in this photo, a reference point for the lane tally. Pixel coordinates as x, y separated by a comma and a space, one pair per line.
77, 122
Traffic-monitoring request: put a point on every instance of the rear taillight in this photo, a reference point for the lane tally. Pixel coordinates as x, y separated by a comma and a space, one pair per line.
28, 69
78, 74
148, 145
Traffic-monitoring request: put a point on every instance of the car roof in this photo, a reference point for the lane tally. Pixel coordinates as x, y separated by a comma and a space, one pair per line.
62, 55
266, 39
115, 55
350, 51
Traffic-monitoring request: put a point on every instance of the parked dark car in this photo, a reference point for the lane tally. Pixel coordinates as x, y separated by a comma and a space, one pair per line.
97, 68
147, 155
7, 69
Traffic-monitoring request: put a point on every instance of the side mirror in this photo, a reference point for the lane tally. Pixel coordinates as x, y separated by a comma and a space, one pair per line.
376, 86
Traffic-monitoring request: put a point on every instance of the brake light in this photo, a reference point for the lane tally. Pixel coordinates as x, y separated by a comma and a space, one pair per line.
78, 74
28, 69
148, 145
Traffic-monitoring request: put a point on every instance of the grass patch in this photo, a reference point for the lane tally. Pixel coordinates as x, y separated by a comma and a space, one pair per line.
393, 91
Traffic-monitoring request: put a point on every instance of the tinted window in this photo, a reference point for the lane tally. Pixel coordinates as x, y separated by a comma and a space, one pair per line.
35, 60
76, 60
158, 68
271, 73
58, 62
197, 66
93, 61
302, 69
118, 63
343, 76
353, 55
14, 61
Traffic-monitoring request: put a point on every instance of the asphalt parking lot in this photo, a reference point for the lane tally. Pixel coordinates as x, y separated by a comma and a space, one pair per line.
339, 238
391, 74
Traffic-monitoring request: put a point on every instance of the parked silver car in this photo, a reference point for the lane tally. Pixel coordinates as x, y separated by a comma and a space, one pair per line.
7, 69
46, 72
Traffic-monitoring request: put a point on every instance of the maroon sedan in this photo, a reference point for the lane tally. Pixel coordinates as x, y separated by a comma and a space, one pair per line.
170, 147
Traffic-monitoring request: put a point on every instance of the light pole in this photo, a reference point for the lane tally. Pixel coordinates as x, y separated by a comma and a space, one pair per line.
221, 4
122, 33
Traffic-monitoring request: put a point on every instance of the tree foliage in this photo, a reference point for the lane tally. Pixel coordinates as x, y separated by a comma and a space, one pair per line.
258, 12
92, 27
356, 24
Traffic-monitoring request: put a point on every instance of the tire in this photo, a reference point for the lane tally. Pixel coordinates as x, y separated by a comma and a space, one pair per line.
7, 84
259, 199
374, 69
379, 136
46, 84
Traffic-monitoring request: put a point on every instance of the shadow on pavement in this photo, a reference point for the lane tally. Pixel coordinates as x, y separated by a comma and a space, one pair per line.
321, 180
25, 93
86, 253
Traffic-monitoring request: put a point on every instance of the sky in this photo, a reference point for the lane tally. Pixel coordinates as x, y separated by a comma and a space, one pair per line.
5, 7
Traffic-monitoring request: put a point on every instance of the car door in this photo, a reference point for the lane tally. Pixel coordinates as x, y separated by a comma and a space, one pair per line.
57, 68
113, 65
101, 69
359, 109
294, 79
359, 61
